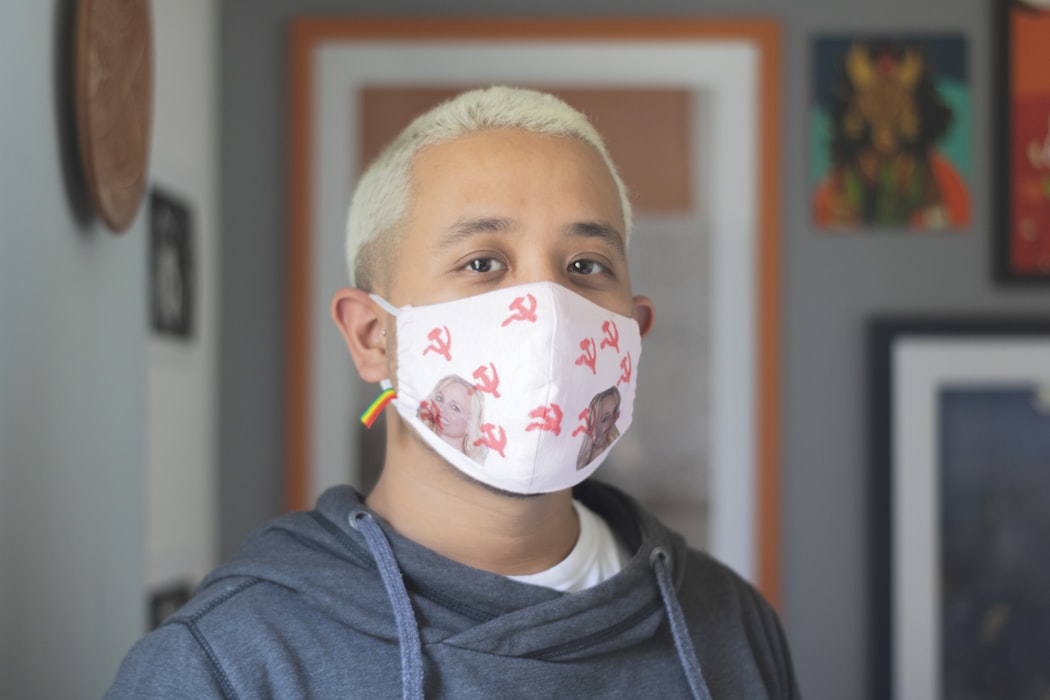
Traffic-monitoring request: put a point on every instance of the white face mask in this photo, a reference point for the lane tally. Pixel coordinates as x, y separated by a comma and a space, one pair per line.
523, 388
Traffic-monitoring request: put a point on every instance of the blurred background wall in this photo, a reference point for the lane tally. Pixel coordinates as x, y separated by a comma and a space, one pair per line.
182, 519
127, 462
72, 387
107, 450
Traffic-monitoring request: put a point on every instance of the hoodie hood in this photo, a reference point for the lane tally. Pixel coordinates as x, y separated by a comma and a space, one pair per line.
333, 602
321, 556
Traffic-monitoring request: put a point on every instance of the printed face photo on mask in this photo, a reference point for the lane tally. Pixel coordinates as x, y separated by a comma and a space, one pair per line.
608, 412
453, 407
602, 414
453, 410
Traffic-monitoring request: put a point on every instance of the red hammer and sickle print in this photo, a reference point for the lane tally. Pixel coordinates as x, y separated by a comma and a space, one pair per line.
584, 426
489, 385
612, 336
626, 366
440, 342
490, 440
549, 419
589, 356
523, 311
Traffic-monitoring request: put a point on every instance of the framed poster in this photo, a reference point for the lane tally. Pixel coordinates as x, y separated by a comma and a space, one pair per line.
1022, 233
889, 133
691, 114
171, 264
960, 507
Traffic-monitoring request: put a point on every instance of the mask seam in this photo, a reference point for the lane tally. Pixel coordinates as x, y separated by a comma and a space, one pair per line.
550, 373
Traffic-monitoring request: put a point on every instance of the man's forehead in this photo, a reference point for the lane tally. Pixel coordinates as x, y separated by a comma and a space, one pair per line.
473, 187
479, 144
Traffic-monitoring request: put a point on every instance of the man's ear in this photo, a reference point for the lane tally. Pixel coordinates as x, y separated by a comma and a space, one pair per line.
644, 313
355, 315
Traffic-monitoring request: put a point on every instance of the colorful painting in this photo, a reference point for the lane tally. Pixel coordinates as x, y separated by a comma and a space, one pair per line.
1023, 239
890, 133
995, 541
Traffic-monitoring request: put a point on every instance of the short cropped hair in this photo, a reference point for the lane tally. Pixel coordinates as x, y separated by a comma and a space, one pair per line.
381, 198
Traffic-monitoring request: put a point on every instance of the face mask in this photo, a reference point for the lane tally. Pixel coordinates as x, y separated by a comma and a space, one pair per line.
524, 389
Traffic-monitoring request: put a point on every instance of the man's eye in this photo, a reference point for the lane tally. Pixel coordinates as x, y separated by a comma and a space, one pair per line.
586, 267
484, 265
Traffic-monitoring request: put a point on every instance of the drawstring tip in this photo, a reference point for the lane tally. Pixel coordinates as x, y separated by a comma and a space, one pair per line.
372, 412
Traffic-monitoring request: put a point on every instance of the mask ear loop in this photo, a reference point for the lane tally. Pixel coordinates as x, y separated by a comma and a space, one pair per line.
388, 394
384, 304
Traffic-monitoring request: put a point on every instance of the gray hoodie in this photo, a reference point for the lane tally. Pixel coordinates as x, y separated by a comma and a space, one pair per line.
333, 603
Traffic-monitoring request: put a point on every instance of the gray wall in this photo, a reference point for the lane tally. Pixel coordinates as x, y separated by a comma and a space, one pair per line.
72, 387
831, 286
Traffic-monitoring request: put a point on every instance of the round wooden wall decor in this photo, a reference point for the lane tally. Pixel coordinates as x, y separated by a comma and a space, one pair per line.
113, 74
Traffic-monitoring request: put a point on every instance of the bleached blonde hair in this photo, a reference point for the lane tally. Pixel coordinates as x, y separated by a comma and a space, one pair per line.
381, 198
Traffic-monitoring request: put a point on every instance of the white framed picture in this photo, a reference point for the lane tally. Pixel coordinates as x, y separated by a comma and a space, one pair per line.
961, 507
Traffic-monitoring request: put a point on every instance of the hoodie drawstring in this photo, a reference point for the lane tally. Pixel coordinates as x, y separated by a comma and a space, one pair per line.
658, 559
408, 629
393, 581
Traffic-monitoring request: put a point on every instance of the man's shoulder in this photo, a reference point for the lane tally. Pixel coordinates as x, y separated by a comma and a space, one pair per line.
711, 583
700, 562
247, 617
179, 658
735, 625
226, 597
233, 633
211, 645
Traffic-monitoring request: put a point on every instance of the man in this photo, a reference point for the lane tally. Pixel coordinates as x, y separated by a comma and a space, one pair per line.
488, 241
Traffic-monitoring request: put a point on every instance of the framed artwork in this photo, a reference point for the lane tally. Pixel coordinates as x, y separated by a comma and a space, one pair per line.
1022, 233
171, 264
889, 133
690, 111
165, 601
960, 485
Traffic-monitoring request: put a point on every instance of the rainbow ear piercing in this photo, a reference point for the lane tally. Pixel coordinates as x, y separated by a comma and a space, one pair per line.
373, 411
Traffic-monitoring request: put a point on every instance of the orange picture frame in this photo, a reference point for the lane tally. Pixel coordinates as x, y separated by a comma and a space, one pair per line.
309, 34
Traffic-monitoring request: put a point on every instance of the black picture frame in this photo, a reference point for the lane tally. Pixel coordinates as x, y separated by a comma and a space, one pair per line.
885, 338
164, 601
1004, 237
172, 275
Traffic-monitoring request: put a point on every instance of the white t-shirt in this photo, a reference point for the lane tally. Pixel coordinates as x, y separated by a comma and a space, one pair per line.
596, 557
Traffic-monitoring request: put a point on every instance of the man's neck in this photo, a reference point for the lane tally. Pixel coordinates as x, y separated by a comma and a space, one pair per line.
427, 501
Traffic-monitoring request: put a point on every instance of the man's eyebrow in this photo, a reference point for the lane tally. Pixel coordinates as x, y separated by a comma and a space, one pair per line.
596, 229
466, 228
